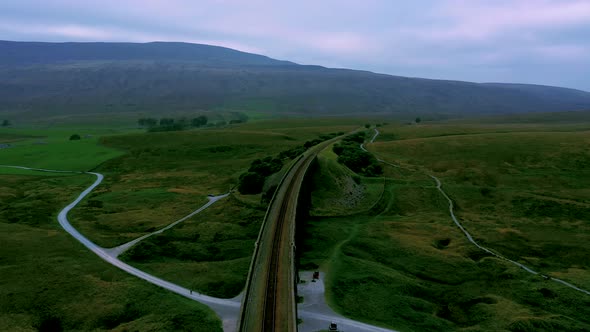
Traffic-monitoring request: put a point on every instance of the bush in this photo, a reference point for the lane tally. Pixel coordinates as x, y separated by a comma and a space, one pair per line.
266, 166
75, 137
250, 183
357, 160
356, 137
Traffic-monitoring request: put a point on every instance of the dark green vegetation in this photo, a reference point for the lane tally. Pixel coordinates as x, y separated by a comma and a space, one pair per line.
183, 123
339, 191
353, 157
42, 80
253, 181
520, 190
50, 282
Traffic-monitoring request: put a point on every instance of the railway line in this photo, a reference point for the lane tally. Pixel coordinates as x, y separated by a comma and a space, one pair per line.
269, 300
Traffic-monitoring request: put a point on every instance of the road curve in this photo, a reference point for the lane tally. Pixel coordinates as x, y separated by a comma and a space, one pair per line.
226, 309
470, 238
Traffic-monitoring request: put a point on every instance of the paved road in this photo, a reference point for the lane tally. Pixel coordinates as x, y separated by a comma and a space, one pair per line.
468, 235
227, 309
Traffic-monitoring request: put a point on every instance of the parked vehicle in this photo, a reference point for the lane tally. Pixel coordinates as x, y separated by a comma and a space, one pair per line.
333, 327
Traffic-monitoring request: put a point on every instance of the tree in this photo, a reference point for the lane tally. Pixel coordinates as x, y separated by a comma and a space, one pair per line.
265, 167
250, 183
418, 120
166, 122
151, 122
368, 125
199, 121
147, 122
75, 137
5, 123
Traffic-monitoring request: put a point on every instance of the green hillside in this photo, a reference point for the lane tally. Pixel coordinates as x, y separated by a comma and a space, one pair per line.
41, 80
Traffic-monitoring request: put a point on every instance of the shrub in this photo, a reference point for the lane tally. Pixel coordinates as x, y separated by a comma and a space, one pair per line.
250, 183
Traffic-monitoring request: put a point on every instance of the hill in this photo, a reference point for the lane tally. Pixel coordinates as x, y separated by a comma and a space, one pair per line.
23, 53
50, 79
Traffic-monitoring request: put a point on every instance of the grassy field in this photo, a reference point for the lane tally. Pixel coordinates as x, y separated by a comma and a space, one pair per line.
165, 176
51, 148
393, 256
50, 282
151, 180
210, 253
521, 191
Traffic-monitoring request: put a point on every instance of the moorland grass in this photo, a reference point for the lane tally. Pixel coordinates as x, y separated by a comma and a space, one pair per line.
209, 253
178, 169
50, 282
406, 266
525, 194
339, 191
164, 176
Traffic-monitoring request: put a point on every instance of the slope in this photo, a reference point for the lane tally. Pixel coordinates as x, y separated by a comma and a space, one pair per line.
43, 80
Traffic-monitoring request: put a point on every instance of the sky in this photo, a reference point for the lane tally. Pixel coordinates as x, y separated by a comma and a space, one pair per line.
520, 41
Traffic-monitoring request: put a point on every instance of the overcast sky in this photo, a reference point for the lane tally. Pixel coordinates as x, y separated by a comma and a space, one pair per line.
527, 41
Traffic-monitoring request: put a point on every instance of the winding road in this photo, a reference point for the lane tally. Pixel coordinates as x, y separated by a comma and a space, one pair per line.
226, 309
468, 235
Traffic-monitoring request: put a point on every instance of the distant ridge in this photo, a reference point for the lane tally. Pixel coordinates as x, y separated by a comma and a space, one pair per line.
48, 79
15, 53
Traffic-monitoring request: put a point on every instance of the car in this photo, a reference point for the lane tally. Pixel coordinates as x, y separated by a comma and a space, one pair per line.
333, 327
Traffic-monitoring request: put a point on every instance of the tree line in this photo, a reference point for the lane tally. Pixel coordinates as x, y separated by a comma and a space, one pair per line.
359, 161
171, 124
252, 181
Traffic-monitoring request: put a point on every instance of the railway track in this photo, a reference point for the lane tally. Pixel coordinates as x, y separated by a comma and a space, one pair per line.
269, 300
